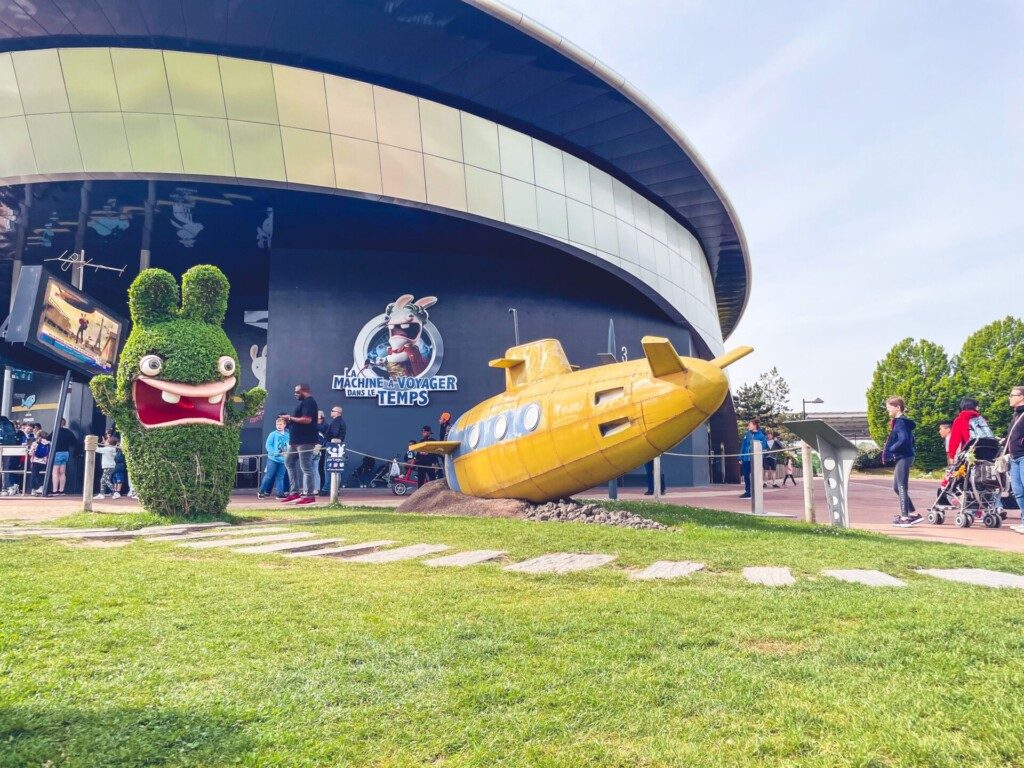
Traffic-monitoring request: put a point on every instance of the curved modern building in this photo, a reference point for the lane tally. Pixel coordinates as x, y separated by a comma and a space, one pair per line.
382, 181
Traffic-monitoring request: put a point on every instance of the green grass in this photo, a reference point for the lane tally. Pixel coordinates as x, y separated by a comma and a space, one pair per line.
150, 654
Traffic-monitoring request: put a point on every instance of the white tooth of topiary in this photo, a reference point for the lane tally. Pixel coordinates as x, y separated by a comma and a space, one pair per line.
169, 397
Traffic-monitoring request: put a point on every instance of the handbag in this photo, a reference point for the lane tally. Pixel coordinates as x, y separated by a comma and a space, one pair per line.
1002, 462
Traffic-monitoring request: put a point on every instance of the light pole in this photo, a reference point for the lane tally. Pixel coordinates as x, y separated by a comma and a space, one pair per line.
515, 322
815, 401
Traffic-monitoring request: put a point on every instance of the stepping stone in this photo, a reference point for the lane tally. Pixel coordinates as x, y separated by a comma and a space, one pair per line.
401, 553
113, 535
666, 569
769, 577
231, 542
52, 531
243, 531
980, 576
286, 546
462, 559
561, 562
153, 530
868, 578
347, 551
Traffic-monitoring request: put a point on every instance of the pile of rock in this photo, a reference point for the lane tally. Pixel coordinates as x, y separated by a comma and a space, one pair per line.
574, 512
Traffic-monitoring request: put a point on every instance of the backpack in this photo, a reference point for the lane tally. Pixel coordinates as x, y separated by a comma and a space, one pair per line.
979, 428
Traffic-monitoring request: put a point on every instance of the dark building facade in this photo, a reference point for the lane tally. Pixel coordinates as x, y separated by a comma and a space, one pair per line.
333, 158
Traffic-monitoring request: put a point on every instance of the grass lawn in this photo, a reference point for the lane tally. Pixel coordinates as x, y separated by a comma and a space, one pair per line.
153, 655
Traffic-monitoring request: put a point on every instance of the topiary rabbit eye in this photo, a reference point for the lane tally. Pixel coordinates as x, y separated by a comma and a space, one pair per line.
151, 365
226, 366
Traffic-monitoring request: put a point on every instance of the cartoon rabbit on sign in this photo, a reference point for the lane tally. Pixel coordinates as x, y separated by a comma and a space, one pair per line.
259, 365
405, 320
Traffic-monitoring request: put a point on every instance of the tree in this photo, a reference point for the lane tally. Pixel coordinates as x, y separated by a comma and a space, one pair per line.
921, 373
766, 400
990, 364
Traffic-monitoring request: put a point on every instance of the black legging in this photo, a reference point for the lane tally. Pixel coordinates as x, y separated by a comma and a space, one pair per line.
901, 485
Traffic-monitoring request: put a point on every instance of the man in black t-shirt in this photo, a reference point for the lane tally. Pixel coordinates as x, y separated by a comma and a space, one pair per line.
303, 437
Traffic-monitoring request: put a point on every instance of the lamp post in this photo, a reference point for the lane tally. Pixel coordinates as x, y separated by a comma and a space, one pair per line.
815, 401
515, 322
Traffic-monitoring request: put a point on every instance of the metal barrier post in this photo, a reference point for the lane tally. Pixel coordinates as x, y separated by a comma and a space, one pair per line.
657, 478
808, 466
757, 479
334, 487
90, 471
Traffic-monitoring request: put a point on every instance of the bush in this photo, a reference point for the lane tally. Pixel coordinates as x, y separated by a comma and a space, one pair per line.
868, 458
188, 469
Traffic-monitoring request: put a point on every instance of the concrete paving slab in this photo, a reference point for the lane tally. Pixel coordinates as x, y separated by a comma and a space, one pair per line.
561, 562
201, 535
982, 577
462, 559
349, 550
286, 546
235, 542
152, 530
866, 577
114, 535
769, 577
45, 531
667, 569
399, 553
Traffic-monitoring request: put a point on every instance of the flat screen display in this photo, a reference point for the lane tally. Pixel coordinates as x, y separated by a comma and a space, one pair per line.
73, 327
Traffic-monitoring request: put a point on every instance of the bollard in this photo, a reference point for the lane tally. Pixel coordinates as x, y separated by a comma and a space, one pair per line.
757, 479
808, 467
657, 478
334, 487
90, 471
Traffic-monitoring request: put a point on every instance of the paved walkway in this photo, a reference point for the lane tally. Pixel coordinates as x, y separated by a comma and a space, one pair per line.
872, 505
304, 544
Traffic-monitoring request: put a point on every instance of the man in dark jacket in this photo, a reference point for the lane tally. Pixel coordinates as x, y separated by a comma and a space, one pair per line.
334, 432
1015, 449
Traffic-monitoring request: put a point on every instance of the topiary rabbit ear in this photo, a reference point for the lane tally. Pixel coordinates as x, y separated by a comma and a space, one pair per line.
204, 291
153, 297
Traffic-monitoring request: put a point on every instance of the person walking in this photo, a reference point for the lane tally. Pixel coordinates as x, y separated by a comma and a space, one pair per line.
968, 425
789, 471
747, 452
334, 434
425, 462
771, 459
302, 439
65, 442
899, 449
108, 463
1015, 450
321, 454
444, 425
277, 450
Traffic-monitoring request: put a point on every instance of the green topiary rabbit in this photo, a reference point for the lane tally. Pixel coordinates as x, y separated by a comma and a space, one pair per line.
173, 398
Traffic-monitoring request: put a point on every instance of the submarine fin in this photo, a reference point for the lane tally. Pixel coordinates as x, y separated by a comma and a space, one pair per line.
662, 356
438, 447
731, 357
532, 362
506, 362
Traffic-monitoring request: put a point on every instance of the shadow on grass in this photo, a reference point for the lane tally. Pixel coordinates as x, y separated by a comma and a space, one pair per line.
121, 736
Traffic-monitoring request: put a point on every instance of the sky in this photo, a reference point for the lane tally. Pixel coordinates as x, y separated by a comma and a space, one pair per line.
874, 153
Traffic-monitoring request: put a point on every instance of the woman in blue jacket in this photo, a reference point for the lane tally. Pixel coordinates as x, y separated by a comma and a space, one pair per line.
899, 450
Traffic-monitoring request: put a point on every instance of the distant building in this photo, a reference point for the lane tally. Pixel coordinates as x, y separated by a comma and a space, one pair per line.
853, 425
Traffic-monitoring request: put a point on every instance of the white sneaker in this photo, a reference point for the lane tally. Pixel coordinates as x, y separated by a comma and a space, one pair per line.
116, 495
99, 496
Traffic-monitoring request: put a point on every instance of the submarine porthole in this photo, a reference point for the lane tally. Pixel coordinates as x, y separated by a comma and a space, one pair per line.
531, 417
501, 427
474, 436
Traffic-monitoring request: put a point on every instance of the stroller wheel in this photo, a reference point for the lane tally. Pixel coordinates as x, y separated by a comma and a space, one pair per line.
399, 489
935, 517
961, 520
990, 520
999, 521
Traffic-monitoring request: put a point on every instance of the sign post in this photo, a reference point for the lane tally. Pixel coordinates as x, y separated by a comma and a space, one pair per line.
334, 465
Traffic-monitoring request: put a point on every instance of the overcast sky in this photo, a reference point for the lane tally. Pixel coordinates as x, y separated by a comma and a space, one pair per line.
873, 152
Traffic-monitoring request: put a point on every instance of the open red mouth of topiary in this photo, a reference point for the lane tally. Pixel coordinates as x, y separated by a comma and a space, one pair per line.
160, 403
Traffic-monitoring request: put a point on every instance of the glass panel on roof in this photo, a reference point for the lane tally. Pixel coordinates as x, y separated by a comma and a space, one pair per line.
153, 143
446, 182
248, 90
102, 140
483, 193
40, 81
141, 80
307, 157
89, 77
356, 164
194, 79
257, 150
401, 173
55, 143
350, 108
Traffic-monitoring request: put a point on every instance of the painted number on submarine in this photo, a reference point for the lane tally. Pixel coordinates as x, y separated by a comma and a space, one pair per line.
397, 357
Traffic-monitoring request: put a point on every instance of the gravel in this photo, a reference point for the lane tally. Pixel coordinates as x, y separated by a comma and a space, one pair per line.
569, 511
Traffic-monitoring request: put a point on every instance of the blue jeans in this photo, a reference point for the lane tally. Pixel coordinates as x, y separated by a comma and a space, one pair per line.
1017, 482
274, 477
300, 469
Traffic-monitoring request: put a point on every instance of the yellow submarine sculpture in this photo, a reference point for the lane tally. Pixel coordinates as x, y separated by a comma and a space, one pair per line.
556, 431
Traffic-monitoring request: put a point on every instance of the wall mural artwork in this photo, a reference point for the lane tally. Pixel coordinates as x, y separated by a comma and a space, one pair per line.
397, 356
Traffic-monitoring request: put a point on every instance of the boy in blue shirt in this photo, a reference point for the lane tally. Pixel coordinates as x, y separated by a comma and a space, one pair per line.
277, 449
747, 452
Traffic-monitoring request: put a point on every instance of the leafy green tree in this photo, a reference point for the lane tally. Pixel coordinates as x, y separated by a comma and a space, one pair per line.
990, 364
775, 391
921, 373
749, 403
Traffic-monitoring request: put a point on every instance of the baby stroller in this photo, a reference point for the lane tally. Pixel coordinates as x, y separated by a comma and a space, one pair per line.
405, 480
972, 488
363, 475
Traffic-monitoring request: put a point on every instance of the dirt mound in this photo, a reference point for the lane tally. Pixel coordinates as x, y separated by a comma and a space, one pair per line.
436, 498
